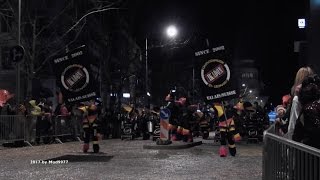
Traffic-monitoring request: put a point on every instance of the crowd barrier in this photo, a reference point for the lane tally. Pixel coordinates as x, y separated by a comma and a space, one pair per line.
12, 128
36, 129
67, 126
287, 159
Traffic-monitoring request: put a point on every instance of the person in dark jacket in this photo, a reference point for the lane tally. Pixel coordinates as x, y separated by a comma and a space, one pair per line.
307, 129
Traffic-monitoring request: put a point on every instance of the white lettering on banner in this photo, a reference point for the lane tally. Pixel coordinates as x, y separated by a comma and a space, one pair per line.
64, 58
82, 97
220, 48
60, 59
221, 95
70, 77
207, 51
200, 53
76, 54
78, 75
215, 73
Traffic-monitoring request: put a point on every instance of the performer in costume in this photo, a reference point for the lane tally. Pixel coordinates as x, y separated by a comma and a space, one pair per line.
227, 131
90, 127
179, 125
174, 118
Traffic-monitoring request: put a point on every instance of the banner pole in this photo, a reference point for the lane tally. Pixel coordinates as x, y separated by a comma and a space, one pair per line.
224, 111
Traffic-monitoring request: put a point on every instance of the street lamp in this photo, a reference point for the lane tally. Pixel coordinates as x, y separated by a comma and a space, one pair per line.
18, 83
171, 33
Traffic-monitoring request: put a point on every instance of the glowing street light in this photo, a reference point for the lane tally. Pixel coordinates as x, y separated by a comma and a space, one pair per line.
126, 95
243, 85
250, 91
172, 31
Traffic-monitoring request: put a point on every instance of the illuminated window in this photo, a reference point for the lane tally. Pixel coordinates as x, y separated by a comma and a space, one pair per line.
301, 23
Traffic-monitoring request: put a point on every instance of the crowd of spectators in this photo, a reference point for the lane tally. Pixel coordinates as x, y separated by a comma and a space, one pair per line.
299, 116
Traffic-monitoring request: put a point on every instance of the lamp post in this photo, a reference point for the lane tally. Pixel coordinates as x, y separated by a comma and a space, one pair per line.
146, 93
171, 32
18, 64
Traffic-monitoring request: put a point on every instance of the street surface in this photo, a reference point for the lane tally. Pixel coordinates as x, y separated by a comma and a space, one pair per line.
129, 160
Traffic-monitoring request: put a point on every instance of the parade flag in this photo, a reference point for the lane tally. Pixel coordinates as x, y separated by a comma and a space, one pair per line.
215, 73
74, 76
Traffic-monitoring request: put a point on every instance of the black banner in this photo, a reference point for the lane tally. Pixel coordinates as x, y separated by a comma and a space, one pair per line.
215, 73
74, 76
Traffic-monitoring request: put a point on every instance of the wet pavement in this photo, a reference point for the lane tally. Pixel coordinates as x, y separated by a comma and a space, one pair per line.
128, 159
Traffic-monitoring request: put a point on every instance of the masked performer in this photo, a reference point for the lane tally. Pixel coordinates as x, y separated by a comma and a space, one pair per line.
227, 131
90, 127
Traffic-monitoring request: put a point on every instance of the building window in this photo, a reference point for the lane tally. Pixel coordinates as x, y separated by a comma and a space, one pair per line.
248, 75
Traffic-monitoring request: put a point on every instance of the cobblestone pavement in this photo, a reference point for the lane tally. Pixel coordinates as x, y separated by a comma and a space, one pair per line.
128, 160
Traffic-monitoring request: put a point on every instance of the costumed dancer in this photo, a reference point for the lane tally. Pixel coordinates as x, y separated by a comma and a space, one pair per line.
90, 127
178, 126
227, 131
184, 128
174, 118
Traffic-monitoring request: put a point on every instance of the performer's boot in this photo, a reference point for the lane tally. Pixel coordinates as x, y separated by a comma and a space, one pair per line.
223, 151
232, 151
187, 135
96, 148
85, 147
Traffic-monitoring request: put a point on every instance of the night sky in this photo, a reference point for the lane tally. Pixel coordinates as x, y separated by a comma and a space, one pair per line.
262, 31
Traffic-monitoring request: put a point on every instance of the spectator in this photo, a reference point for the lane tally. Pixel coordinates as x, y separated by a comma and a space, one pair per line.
46, 121
35, 110
76, 119
33, 122
63, 121
296, 106
280, 122
286, 103
257, 107
307, 129
7, 109
64, 110
22, 110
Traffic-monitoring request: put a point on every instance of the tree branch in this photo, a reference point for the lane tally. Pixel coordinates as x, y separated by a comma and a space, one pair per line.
92, 12
6, 15
48, 25
56, 52
83, 17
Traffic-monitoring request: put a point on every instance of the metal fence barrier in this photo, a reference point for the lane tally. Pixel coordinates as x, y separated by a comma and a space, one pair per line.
34, 129
12, 128
287, 159
67, 126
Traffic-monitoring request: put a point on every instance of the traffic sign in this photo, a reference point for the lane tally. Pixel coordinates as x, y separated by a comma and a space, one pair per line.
165, 113
16, 53
164, 123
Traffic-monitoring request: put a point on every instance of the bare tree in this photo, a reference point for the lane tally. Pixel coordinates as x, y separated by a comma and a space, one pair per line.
47, 32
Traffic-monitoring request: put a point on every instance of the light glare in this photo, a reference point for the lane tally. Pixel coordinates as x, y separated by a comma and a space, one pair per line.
172, 31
